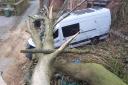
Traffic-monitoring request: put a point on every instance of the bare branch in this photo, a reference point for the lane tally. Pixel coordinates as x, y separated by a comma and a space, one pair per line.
65, 44
48, 42
51, 12
46, 12
51, 51
42, 17
62, 8
46, 3
69, 13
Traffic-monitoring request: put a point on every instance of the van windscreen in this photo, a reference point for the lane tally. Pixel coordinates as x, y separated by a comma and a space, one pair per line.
70, 30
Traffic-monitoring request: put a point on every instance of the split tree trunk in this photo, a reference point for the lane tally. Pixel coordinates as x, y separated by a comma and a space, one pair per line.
42, 71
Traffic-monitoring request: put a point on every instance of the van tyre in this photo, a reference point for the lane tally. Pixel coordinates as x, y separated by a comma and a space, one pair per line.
95, 40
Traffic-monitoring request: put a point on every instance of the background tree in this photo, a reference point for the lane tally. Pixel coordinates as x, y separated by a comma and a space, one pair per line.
120, 15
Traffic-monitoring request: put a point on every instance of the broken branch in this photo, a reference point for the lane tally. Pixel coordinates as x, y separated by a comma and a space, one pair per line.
69, 13
65, 44
51, 51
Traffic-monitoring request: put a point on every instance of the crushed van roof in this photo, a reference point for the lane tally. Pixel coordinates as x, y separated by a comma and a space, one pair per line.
88, 10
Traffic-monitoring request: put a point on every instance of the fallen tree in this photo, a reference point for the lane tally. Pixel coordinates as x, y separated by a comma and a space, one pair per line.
93, 73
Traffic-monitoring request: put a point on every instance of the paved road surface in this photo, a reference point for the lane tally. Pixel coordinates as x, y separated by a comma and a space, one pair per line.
12, 40
10, 23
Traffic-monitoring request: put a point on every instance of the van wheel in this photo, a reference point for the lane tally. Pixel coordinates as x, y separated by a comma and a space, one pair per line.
95, 40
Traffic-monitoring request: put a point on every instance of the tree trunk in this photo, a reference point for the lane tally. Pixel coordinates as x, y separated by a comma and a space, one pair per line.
93, 73
42, 71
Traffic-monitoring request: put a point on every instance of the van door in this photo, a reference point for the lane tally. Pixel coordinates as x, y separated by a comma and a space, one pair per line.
57, 38
70, 30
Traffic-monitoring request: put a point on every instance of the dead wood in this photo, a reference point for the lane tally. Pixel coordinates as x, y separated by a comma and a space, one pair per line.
94, 74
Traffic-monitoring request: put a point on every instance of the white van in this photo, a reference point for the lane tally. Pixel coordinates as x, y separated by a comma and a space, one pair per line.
93, 24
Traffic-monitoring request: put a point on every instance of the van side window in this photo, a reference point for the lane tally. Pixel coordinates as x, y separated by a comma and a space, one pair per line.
70, 30
55, 34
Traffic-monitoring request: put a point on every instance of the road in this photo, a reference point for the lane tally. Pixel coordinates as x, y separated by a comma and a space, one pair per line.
12, 40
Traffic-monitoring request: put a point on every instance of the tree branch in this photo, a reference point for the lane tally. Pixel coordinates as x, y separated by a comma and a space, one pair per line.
62, 9
48, 38
48, 35
58, 51
51, 12
51, 51
69, 13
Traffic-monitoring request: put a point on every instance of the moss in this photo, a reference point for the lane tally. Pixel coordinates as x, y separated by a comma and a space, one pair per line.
101, 76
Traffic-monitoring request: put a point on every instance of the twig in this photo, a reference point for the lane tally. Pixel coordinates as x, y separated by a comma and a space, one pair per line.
69, 13
62, 8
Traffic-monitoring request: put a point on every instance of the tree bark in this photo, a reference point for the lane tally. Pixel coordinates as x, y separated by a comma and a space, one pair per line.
93, 73
42, 71
51, 51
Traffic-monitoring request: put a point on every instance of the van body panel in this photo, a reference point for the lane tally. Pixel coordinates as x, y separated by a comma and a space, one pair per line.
58, 40
91, 23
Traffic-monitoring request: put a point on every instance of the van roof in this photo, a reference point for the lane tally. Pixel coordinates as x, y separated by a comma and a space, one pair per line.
81, 14
84, 11
87, 11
